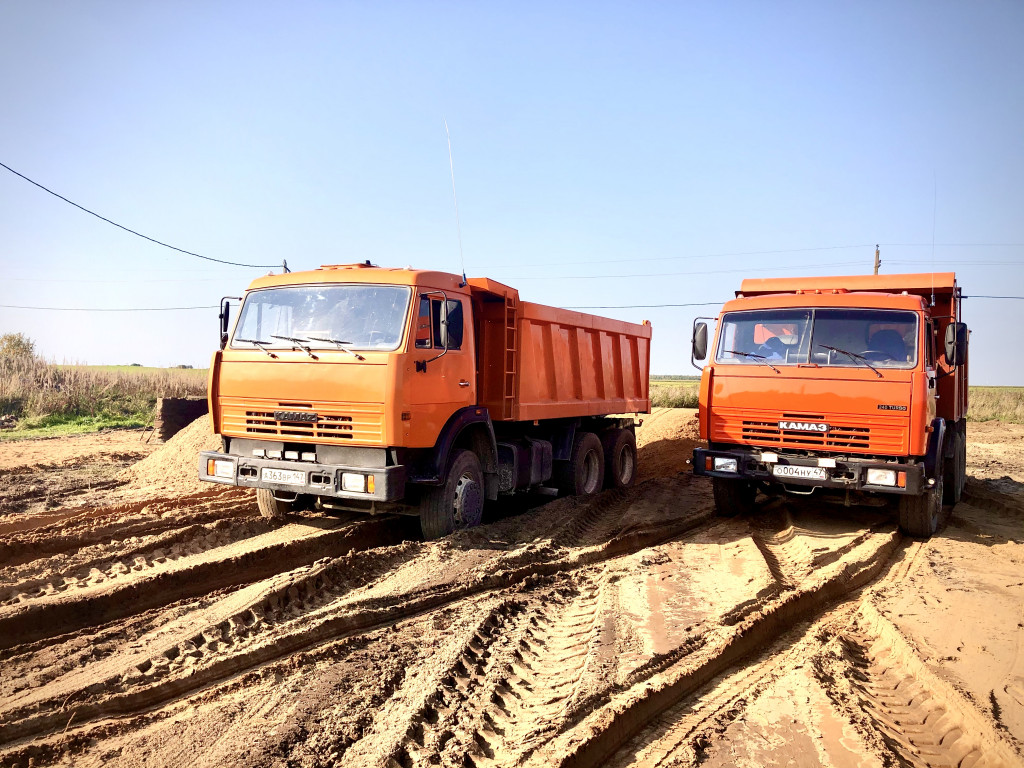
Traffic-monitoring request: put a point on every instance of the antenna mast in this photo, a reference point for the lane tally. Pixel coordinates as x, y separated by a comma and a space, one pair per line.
458, 223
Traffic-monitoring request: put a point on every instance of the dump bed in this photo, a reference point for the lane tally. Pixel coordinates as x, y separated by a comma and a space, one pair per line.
541, 362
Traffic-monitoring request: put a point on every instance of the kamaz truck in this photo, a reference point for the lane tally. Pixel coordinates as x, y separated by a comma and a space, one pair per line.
848, 386
356, 387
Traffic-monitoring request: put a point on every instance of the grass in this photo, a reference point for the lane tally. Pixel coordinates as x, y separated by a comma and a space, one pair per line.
674, 391
45, 399
996, 403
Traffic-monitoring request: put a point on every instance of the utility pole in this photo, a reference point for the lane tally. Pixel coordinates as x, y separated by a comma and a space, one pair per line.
878, 262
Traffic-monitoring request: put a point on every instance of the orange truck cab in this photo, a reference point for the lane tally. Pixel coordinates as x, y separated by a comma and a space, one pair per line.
400, 390
851, 385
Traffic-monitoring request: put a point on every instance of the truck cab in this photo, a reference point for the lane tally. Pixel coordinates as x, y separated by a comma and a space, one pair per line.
838, 385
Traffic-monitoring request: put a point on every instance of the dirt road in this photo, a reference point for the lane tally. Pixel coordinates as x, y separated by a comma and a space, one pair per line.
156, 622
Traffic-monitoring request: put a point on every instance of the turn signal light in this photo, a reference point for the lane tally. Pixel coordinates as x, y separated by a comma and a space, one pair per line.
369, 484
707, 463
901, 479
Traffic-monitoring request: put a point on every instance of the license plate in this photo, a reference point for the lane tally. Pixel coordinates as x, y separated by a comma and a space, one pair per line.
789, 470
284, 476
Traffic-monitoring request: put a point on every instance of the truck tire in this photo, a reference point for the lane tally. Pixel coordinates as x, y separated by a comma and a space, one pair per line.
956, 470
459, 502
619, 458
583, 473
733, 497
271, 508
920, 514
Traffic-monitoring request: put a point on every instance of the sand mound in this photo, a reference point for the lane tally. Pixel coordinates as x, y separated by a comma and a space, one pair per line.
173, 468
665, 442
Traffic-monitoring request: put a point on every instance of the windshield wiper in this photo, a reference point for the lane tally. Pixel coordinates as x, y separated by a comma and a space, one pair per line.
341, 346
297, 344
854, 356
259, 345
760, 358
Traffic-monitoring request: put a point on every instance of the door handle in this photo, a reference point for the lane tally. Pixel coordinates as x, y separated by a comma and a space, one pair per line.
463, 383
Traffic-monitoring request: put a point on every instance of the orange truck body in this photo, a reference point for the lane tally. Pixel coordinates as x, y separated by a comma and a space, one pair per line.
793, 376
396, 405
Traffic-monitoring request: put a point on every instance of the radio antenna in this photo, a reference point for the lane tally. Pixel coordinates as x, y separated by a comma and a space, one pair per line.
935, 205
458, 223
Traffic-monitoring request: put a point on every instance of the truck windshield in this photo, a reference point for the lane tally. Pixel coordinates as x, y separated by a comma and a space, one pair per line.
828, 337
324, 317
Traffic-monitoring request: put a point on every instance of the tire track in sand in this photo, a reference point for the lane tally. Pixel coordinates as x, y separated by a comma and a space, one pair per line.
922, 720
593, 740
291, 612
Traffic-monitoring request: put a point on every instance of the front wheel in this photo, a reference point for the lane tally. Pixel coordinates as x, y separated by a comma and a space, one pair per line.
956, 470
919, 515
733, 497
459, 502
271, 508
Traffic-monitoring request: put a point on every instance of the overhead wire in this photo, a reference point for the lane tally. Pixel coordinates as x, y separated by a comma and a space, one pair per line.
132, 231
106, 309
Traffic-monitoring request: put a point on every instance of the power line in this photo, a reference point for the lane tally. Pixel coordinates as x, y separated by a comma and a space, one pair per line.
95, 309
132, 231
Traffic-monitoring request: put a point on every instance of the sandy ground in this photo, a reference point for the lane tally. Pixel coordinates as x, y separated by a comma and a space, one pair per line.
155, 621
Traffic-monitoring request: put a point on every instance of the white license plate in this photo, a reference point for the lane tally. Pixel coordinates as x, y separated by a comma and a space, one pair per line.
788, 470
285, 476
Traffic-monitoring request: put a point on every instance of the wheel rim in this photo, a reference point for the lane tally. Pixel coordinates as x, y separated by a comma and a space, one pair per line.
591, 471
627, 462
468, 504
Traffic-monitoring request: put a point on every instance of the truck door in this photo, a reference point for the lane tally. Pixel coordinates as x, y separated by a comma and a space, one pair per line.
449, 381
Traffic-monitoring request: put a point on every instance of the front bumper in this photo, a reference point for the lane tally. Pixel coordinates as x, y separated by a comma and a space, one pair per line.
320, 479
848, 474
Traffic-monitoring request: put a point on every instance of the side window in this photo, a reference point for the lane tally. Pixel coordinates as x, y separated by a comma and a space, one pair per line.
454, 324
428, 324
423, 324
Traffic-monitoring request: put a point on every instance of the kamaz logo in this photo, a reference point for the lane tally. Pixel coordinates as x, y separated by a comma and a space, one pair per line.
302, 417
803, 426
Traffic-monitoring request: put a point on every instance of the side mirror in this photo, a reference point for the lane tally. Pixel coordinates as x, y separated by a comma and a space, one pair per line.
699, 341
956, 344
225, 312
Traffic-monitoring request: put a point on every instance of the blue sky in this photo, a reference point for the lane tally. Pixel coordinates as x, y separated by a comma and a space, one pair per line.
605, 154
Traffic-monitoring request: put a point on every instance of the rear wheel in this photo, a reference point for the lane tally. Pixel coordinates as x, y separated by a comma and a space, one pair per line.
619, 458
459, 502
271, 508
919, 515
583, 474
733, 497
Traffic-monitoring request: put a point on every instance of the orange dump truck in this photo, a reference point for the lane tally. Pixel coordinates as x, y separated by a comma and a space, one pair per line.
855, 385
364, 388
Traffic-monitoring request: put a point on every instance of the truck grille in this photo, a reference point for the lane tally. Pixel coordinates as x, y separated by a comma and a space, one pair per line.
361, 423
856, 433
836, 437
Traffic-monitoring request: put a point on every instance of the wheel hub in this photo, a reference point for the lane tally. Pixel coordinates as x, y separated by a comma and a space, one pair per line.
469, 503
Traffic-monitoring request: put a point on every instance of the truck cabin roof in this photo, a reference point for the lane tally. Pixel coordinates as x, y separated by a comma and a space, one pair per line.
367, 273
917, 284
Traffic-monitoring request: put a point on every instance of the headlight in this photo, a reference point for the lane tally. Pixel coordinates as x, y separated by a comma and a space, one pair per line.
220, 468
881, 477
725, 465
353, 482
